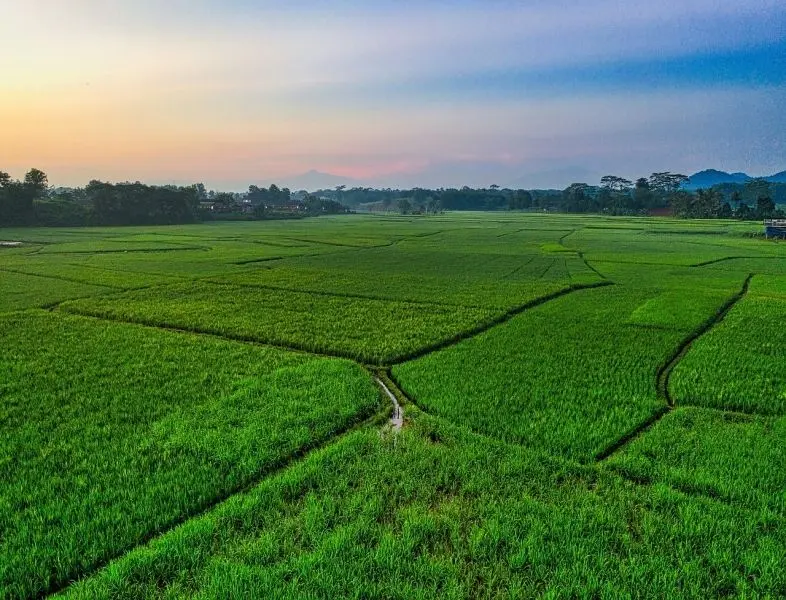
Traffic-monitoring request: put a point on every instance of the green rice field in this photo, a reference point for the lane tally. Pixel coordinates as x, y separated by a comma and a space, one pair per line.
593, 407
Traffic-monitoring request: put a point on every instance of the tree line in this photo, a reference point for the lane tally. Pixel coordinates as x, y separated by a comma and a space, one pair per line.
660, 193
666, 190
32, 201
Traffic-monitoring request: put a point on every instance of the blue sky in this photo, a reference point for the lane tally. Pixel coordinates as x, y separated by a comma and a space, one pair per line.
391, 93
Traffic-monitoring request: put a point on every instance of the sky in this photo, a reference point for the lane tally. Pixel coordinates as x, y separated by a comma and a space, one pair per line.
394, 93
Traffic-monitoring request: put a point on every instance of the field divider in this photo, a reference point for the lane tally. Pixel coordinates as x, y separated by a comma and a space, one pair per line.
61, 278
133, 251
110, 291
634, 433
252, 261
270, 471
664, 374
340, 245
503, 318
566, 236
173, 277
211, 334
725, 258
385, 377
589, 266
520, 267
210, 279
338, 250
404, 399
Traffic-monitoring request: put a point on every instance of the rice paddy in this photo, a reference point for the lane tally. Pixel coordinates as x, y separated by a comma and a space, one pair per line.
593, 407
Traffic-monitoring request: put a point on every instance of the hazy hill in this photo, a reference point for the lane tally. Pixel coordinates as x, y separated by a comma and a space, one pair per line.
712, 177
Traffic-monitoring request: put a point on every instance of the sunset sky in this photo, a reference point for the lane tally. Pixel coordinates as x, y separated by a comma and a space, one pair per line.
398, 93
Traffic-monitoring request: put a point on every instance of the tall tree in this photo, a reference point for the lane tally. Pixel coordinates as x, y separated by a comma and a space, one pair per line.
575, 198
616, 184
666, 182
642, 194
37, 182
404, 206
708, 204
765, 207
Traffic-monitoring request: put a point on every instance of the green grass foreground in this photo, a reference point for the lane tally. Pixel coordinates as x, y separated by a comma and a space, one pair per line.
112, 433
438, 513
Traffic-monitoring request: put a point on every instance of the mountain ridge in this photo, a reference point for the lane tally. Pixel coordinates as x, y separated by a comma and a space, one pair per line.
711, 177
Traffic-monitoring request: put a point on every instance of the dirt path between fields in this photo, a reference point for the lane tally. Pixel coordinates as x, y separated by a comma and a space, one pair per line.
397, 419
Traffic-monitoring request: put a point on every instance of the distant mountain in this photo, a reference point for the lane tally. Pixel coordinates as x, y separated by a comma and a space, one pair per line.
711, 177
315, 180
778, 177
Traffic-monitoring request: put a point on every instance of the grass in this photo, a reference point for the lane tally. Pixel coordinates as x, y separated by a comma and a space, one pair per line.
738, 365
444, 514
568, 377
651, 245
113, 432
496, 281
19, 291
153, 463
113, 245
733, 457
373, 331
73, 269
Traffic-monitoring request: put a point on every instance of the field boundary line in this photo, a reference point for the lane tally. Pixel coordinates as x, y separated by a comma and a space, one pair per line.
727, 258
664, 372
520, 267
175, 278
271, 470
566, 236
110, 292
60, 278
590, 267
227, 337
210, 279
340, 245
132, 251
405, 399
252, 261
547, 269
338, 250
634, 433
503, 318
112, 287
